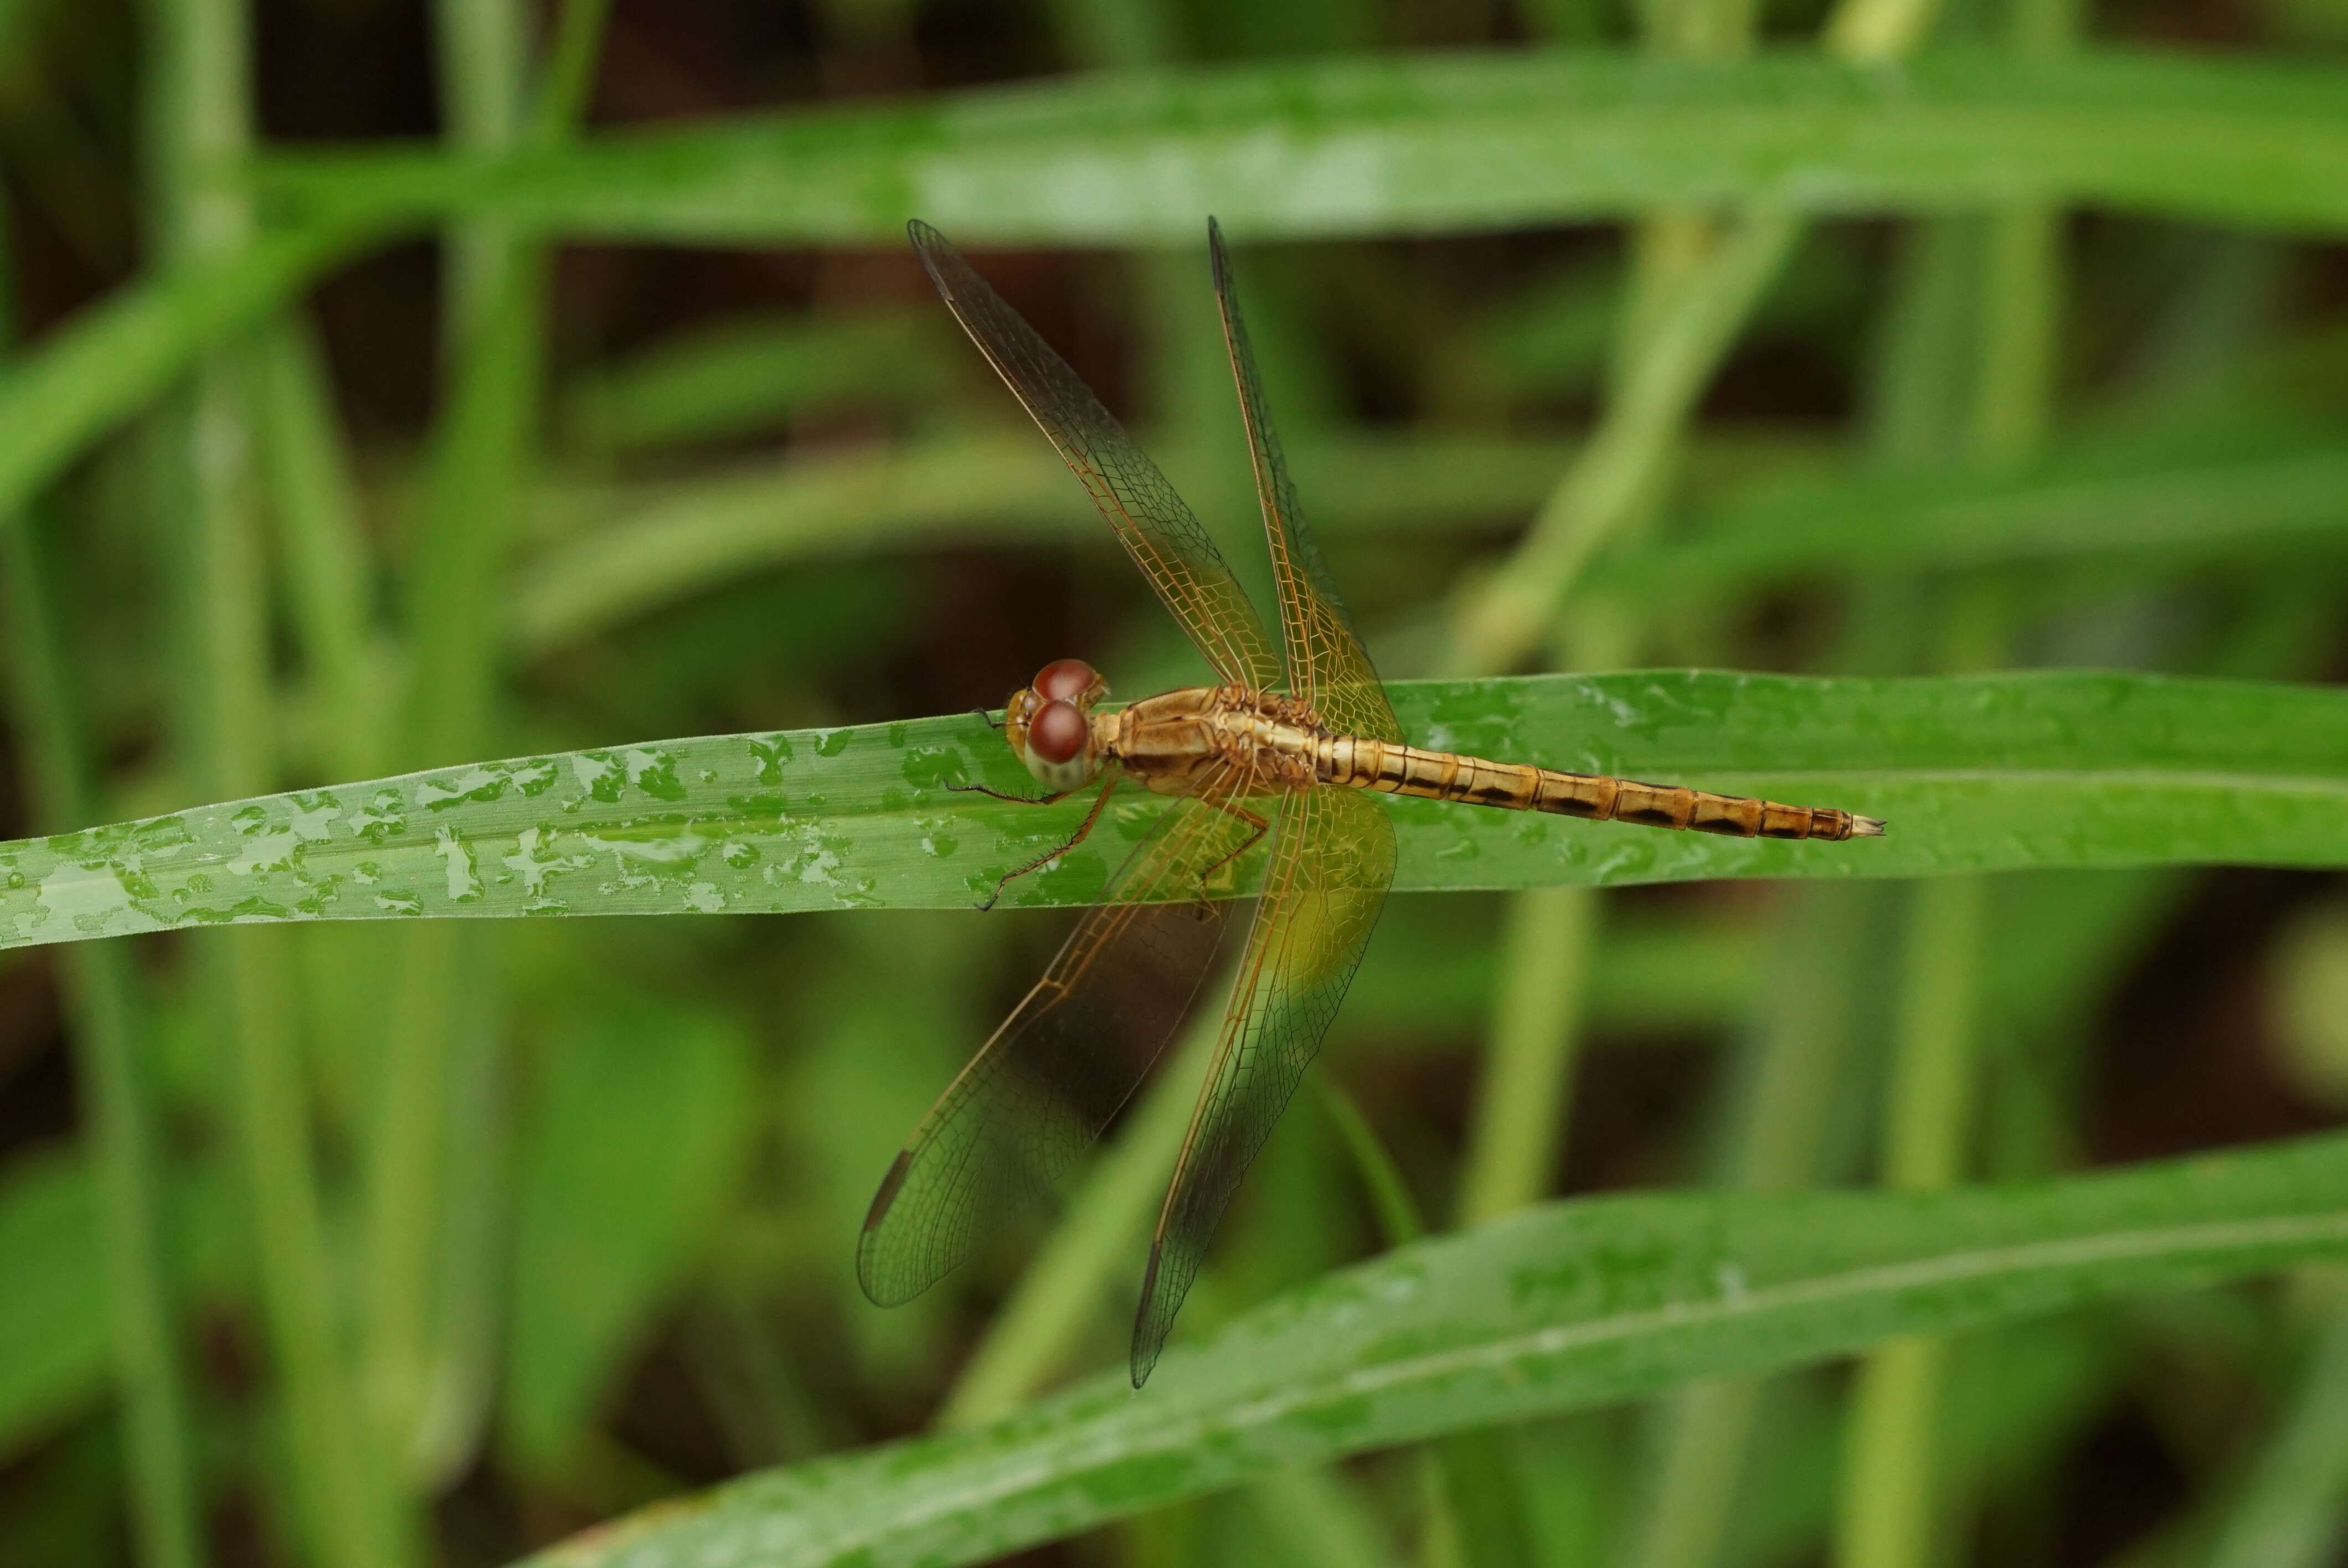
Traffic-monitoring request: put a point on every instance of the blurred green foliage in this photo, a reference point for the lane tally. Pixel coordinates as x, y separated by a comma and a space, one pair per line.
1980, 372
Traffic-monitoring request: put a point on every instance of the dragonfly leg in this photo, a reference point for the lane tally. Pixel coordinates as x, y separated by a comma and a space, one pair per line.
1015, 799
1258, 826
1084, 830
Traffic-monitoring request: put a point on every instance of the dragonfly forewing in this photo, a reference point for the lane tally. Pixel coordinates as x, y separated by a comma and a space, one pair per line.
1164, 536
1039, 1092
1332, 861
1327, 665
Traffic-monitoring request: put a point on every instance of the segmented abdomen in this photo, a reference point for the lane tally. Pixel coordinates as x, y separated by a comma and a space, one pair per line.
1365, 763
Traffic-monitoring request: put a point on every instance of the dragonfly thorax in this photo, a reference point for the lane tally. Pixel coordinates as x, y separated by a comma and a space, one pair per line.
1050, 727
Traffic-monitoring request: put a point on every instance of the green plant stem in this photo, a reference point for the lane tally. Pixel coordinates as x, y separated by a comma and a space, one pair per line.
1520, 1105
1689, 294
1780, 1105
102, 1000
1507, 616
200, 87
101, 983
564, 91
313, 498
1890, 1511
1929, 1116
2022, 302
1399, 1222
456, 626
252, 973
1675, 345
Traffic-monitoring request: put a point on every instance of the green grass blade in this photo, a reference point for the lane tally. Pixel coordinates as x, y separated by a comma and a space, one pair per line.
84, 380
1695, 320
101, 987
1777, 1101
1560, 1307
314, 502
201, 88
1988, 773
1516, 1142
493, 333
1428, 143
101, 982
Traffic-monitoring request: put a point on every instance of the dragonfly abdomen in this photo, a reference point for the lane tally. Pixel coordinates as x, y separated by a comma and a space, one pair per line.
1365, 763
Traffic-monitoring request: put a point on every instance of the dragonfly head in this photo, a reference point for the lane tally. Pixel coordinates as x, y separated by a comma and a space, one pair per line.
1050, 724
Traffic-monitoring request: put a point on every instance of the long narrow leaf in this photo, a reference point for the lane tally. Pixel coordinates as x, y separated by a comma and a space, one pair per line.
1977, 774
1560, 1307
1419, 143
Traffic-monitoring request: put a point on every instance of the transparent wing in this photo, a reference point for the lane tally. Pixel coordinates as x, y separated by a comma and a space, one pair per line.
1164, 536
1327, 665
1332, 857
1041, 1089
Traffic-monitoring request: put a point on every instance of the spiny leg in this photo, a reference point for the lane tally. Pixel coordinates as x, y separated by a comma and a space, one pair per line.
1084, 830
1258, 826
1053, 799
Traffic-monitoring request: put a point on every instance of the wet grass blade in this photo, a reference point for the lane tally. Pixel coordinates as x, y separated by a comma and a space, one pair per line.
1561, 1307
1974, 773
1428, 143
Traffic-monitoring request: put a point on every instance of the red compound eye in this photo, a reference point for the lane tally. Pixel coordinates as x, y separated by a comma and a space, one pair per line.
1065, 679
1057, 733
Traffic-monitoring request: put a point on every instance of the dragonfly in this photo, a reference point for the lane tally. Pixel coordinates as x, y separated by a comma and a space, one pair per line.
1287, 751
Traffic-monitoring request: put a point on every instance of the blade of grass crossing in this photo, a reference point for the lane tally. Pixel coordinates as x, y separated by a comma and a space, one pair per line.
456, 628
1776, 1107
313, 500
1893, 1515
1551, 933
102, 1001
1516, 1138
1470, 1481
1560, 1307
1517, 606
100, 982
1678, 344
1437, 140
116, 357
199, 82
1694, 287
